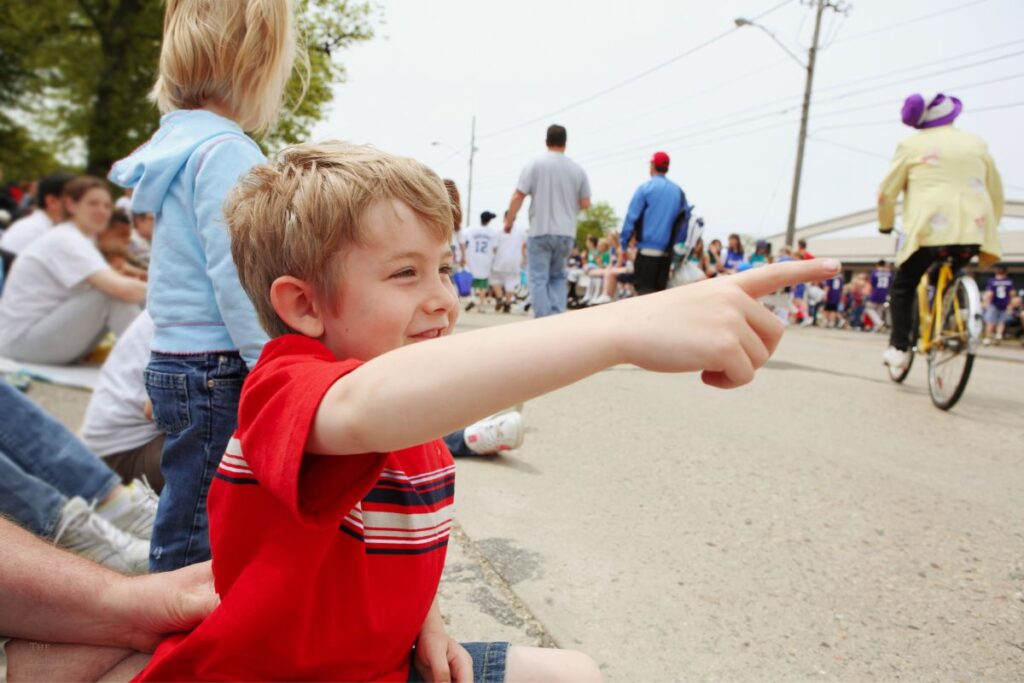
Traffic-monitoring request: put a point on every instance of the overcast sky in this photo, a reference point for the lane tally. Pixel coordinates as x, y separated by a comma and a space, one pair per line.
728, 114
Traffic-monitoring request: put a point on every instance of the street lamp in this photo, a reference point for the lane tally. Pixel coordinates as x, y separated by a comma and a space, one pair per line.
809, 68
472, 153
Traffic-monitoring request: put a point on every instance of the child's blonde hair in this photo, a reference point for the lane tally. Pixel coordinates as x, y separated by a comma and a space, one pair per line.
237, 53
294, 214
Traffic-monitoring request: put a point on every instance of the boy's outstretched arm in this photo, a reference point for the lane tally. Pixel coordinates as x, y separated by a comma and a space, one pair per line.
418, 393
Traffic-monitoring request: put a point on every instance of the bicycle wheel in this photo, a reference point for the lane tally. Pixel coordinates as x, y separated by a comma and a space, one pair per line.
952, 354
899, 374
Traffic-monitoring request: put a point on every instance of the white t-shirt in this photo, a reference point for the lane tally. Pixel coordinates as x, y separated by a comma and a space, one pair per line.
44, 276
481, 243
555, 184
115, 420
509, 258
25, 231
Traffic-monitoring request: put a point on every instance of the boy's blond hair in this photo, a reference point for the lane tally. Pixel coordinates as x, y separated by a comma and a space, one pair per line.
294, 214
236, 53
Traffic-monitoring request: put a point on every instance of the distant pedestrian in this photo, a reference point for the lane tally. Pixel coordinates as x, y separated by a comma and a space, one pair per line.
559, 190
881, 279
734, 257
480, 244
655, 216
998, 292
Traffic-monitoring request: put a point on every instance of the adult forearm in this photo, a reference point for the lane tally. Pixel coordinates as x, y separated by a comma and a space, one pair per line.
379, 406
65, 603
513, 207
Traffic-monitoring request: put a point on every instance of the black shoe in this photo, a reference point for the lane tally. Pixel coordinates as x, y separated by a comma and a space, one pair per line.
527, 307
470, 305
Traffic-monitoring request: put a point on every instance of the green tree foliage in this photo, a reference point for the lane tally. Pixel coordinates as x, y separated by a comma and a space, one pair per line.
84, 68
599, 219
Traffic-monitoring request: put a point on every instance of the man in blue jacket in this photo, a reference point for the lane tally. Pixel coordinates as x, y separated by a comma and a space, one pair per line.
657, 215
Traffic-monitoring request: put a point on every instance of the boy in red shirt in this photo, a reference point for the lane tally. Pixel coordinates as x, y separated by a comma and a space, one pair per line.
331, 509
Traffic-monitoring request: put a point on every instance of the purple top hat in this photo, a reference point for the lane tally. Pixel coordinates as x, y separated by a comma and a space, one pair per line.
941, 111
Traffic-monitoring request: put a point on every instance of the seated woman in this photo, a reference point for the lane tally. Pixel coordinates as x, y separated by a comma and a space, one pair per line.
61, 296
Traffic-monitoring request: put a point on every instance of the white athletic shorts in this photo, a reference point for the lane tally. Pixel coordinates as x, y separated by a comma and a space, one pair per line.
508, 281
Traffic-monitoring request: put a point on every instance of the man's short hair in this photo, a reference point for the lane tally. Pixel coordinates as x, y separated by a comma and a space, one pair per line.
52, 186
556, 136
120, 217
294, 214
881, 263
802, 244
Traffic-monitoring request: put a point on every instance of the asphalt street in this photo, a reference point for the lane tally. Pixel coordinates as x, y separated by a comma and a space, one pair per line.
821, 523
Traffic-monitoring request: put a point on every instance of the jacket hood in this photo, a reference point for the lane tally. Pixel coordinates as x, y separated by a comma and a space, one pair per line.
152, 168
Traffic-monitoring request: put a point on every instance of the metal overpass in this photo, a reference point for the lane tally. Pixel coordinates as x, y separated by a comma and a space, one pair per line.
862, 251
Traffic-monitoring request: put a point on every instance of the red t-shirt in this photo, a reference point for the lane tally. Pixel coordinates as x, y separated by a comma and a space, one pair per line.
326, 565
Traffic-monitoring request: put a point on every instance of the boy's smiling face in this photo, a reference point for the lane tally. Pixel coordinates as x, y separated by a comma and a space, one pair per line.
394, 290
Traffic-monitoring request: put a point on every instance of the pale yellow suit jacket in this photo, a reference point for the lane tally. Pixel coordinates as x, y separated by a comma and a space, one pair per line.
952, 192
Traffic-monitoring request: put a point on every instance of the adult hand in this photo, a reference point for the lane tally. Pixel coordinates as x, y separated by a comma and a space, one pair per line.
143, 609
715, 326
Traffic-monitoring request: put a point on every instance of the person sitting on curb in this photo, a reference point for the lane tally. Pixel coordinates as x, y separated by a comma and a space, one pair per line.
79, 621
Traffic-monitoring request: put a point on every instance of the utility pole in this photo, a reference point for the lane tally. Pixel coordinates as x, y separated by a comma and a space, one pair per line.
469, 185
802, 140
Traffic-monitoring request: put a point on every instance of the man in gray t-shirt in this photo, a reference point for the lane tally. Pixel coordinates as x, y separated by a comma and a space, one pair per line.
558, 189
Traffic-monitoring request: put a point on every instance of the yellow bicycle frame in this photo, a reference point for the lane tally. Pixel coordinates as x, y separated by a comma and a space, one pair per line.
928, 317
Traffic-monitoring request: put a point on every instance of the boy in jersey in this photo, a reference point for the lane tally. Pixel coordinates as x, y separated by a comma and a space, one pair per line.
998, 293
881, 278
481, 244
331, 510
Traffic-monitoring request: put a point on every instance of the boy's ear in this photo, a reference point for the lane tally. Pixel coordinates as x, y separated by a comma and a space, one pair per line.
295, 302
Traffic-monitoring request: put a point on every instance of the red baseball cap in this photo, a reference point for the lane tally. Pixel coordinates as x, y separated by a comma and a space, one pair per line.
660, 159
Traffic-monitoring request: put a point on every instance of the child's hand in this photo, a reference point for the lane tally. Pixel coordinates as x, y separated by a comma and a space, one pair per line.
716, 326
440, 658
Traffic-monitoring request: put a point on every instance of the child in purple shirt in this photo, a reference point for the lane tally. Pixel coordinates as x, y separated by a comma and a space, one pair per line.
998, 293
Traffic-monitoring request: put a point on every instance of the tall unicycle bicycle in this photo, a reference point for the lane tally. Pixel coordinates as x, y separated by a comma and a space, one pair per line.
948, 332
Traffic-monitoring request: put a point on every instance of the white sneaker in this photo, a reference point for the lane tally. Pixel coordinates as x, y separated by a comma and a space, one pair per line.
896, 359
501, 432
603, 299
138, 511
82, 531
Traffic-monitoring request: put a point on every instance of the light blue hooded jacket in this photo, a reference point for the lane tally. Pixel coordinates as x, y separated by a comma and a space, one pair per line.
183, 175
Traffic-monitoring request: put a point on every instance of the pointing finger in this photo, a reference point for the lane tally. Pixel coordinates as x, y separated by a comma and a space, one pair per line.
762, 281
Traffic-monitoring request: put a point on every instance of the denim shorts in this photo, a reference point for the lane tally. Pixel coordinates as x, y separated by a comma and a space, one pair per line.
994, 316
488, 663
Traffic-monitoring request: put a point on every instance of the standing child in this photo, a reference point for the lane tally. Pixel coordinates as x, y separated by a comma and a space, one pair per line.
223, 68
833, 297
508, 264
998, 292
881, 278
481, 244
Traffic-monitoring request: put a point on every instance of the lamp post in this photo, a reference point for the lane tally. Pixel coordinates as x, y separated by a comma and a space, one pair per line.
472, 153
802, 139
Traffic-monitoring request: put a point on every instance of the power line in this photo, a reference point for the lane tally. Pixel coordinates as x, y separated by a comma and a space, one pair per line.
765, 109
850, 148
889, 121
632, 79
908, 22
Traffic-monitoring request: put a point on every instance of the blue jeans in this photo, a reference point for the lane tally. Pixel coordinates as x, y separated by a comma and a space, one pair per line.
195, 403
42, 465
546, 257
